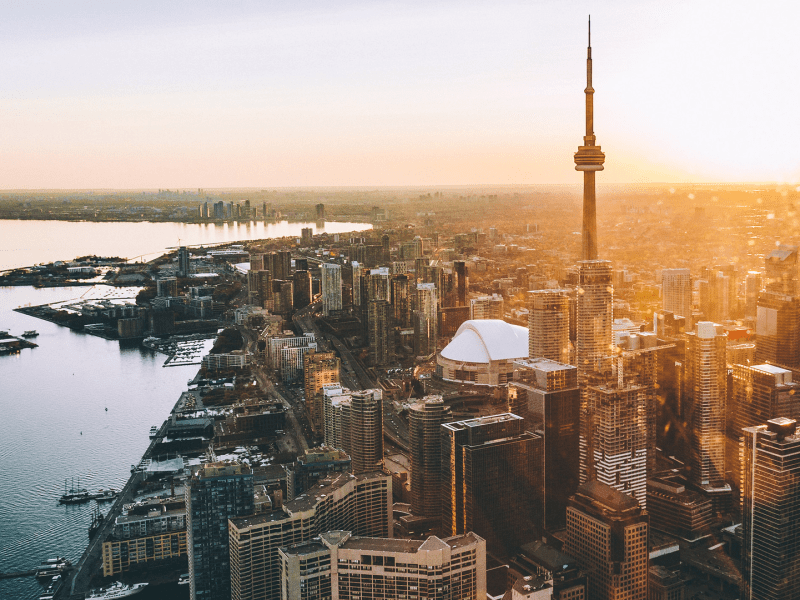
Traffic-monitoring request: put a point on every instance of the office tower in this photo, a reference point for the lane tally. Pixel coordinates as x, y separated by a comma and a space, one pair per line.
589, 159
594, 333
550, 392
401, 301
331, 288
704, 393
320, 211
753, 284
760, 393
379, 316
451, 318
339, 566
492, 481
486, 307
302, 289
385, 244
607, 533
257, 262
363, 439
677, 509
319, 369
357, 284
283, 266
782, 270
306, 236
426, 319
219, 491
616, 428
378, 284
462, 282
259, 287
358, 503
184, 267
283, 297
770, 456
425, 427
676, 290
548, 325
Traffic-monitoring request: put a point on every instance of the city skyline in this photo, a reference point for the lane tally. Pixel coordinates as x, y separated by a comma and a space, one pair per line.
434, 94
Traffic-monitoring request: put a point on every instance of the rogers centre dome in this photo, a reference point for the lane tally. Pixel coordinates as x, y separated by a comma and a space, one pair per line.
483, 352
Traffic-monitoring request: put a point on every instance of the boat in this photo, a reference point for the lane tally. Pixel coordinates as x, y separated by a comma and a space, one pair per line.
183, 579
153, 432
52, 590
116, 590
105, 495
74, 495
52, 567
30, 333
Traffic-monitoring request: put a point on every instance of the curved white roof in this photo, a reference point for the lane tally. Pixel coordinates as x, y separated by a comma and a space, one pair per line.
485, 340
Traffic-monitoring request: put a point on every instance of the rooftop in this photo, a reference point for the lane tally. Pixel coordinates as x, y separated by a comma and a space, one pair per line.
486, 340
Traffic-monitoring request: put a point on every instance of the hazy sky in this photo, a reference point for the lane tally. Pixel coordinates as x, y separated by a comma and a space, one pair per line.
299, 93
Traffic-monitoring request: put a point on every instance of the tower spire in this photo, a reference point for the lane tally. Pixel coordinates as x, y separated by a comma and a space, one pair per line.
589, 159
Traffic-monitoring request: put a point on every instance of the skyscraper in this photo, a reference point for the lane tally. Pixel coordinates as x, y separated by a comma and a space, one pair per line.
302, 289
426, 319
462, 282
425, 422
676, 290
218, 492
492, 481
778, 310
401, 301
550, 389
770, 457
331, 288
357, 275
319, 369
486, 307
607, 533
760, 393
183, 262
548, 325
704, 393
363, 440
589, 159
594, 338
379, 316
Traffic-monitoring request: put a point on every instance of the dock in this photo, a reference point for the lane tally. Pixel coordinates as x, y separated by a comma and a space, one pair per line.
18, 574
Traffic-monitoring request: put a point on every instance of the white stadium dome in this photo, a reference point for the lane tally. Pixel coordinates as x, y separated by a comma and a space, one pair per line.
483, 352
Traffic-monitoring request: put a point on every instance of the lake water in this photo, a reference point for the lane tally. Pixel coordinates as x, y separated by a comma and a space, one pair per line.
26, 243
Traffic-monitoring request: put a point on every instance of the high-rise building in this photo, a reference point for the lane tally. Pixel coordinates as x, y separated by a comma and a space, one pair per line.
549, 389
302, 289
486, 307
358, 503
306, 236
492, 481
282, 297
319, 369
426, 319
320, 211
378, 284
754, 282
676, 290
331, 288
283, 267
338, 566
401, 301
218, 492
607, 532
462, 282
363, 437
782, 270
770, 456
257, 262
778, 329
594, 334
704, 394
357, 276
379, 317
589, 159
259, 287
548, 325
760, 393
386, 244
425, 427
184, 266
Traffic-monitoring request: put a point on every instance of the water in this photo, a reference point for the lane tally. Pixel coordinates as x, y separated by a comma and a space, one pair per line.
55, 425
26, 243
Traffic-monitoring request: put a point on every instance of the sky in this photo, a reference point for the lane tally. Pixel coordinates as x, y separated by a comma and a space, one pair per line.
303, 93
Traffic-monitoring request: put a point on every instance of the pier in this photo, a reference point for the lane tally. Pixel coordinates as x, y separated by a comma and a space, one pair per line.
18, 574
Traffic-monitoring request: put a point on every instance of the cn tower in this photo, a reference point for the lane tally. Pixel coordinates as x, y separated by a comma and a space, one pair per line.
589, 159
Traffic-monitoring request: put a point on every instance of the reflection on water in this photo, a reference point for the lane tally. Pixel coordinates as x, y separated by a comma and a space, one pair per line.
26, 243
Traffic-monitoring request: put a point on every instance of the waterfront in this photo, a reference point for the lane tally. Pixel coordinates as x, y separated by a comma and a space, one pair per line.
55, 426
26, 243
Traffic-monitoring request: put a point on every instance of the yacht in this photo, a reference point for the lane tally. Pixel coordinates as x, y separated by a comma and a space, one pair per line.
116, 590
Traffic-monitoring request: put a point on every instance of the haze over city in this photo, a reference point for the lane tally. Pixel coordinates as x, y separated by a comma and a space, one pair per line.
163, 95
